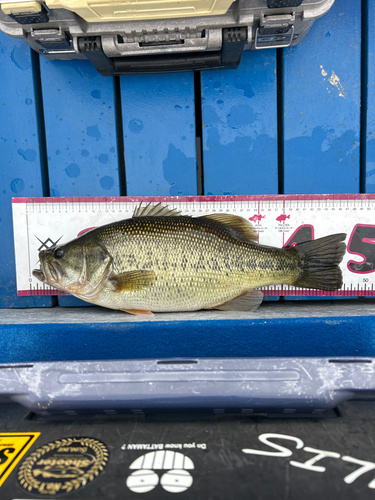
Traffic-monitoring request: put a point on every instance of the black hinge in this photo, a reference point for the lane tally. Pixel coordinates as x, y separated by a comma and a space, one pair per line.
235, 35
91, 47
58, 44
279, 4
234, 40
31, 17
272, 30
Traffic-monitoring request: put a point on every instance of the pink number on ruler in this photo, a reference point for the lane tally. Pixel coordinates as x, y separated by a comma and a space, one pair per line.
301, 234
361, 242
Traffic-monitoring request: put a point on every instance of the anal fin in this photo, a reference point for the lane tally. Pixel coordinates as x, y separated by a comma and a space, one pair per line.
248, 301
138, 312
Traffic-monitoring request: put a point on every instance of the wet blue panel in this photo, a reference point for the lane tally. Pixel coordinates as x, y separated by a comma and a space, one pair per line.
159, 134
20, 161
80, 129
240, 127
276, 337
80, 133
370, 156
321, 85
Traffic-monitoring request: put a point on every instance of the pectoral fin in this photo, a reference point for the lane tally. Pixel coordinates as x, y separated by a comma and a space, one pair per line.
249, 301
132, 280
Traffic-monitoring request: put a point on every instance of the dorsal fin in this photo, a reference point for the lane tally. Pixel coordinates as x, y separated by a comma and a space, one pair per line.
158, 210
239, 227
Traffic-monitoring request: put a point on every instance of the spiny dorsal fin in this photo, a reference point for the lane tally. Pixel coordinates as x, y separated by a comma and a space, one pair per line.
132, 280
158, 210
240, 228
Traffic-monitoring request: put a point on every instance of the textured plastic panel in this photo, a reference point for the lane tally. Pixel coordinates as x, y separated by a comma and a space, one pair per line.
21, 171
80, 133
259, 385
321, 87
239, 113
159, 134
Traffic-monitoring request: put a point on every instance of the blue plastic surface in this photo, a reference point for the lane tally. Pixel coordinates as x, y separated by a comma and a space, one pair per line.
80, 129
239, 113
20, 163
159, 134
333, 336
80, 133
321, 87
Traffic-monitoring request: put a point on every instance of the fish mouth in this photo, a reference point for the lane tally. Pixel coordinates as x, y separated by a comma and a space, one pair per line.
38, 273
54, 270
50, 273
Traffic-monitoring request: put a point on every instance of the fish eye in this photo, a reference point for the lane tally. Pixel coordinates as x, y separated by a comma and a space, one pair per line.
58, 253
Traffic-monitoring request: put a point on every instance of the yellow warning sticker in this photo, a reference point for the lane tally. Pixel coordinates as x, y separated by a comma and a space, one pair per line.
13, 447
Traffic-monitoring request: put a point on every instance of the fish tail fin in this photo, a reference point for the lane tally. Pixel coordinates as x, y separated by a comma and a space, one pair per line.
320, 260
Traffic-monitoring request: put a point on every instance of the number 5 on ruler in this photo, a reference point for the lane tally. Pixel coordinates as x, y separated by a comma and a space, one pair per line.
361, 242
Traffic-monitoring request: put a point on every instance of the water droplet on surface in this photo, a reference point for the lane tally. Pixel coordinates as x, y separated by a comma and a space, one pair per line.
73, 170
135, 126
17, 185
95, 94
28, 154
103, 159
107, 182
93, 132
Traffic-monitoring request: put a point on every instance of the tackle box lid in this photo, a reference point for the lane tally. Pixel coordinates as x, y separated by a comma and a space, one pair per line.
155, 36
115, 10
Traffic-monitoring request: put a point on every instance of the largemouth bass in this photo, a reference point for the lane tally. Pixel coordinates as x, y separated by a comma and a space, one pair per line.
160, 260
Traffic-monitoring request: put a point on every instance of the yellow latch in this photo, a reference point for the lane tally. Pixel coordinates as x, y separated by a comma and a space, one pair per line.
21, 7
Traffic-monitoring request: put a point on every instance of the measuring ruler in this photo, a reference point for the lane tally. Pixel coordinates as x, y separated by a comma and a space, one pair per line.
280, 221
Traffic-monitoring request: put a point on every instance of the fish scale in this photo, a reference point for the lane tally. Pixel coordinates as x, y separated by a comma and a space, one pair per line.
194, 270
